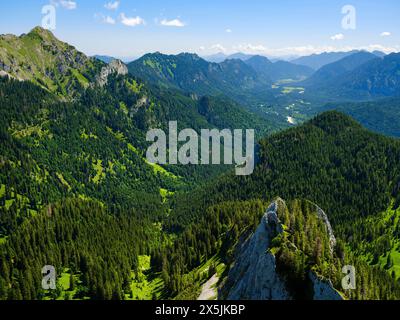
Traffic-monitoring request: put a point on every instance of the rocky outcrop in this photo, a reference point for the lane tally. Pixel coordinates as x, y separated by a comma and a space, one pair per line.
323, 289
114, 67
254, 275
4, 74
322, 215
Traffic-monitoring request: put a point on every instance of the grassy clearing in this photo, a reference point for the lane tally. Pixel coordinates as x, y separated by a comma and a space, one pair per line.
63, 181
395, 255
389, 219
216, 261
65, 289
200, 276
81, 79
145, 284
124, 108
87, 136
165, 194
20, 131
2, 190
100, 174
156, 168
134, 86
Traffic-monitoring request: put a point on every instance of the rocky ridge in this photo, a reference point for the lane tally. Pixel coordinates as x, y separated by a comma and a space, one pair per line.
254, 273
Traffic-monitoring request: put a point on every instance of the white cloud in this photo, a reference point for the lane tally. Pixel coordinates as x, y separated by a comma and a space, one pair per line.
219, 48
108, 20
131, 22
202, 48
228, 30
385, 34
172, 23
294, 51
66, 4
112, 5
104, 19
336, 37
379, 47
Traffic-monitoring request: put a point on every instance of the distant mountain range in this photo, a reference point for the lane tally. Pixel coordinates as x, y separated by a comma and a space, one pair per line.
191, 73
317, 61
105, 59
313, 61
278, 70
356, 77
108, 59
220, 57
360, 76
331, 73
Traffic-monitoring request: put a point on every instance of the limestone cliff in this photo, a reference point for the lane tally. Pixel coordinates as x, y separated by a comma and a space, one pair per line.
254, 276
323, 289
254, 273
115, 66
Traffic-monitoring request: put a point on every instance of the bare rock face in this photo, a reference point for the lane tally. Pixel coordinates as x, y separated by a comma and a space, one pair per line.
254, 276
3, 74
332, 240
323, 289
115, 66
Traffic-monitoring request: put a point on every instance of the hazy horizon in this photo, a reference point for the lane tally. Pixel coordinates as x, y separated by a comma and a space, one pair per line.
126, 30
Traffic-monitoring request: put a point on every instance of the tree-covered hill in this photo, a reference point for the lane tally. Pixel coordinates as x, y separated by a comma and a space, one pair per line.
332, 161
382, 115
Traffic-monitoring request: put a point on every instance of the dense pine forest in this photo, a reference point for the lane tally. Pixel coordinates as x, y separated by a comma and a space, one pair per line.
77, 193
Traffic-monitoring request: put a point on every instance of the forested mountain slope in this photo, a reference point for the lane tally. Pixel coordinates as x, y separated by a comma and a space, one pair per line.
193, 74
73, 151
317, 61
382, 115
332, 161
278, 70
328, 160
77, 192
334, 72
41, 58
90, 142
376, 78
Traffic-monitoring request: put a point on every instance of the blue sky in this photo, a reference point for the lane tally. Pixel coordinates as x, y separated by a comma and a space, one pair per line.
129, 28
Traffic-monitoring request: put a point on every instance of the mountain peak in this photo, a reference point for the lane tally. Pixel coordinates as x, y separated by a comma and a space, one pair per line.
393, 56
42, 33
334, 121
189, 55
259, 58
43, 59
